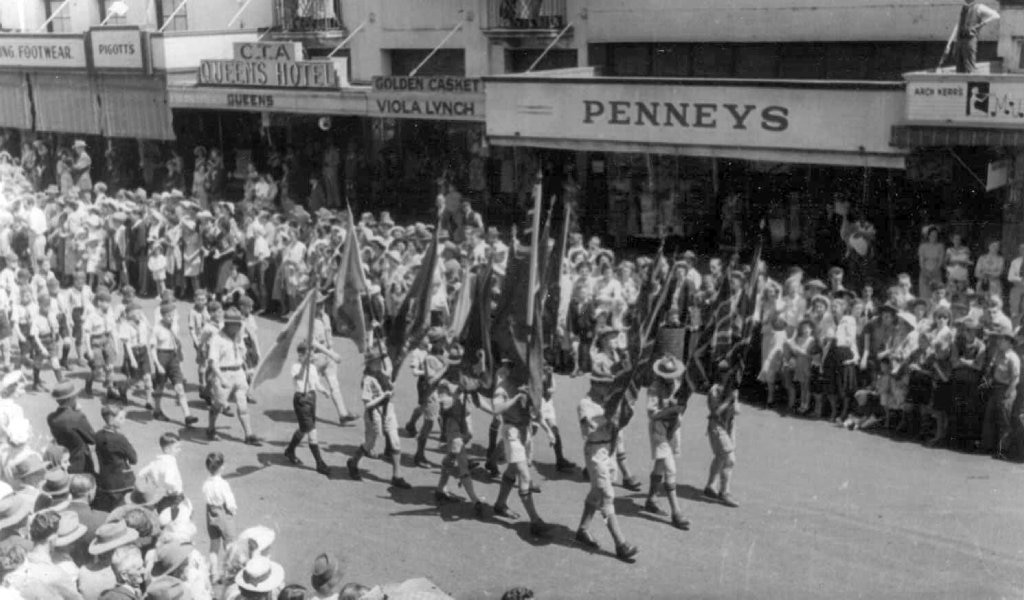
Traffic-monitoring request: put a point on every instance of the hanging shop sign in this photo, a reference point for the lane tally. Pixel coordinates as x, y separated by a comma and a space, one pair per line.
42, 51
430, 98
998, 174
117, 48
270, 65
966, 99
848, 118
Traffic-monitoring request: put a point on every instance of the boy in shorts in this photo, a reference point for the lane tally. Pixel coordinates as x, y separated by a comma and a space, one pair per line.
454, 406
221, 509
165, 348
379, 418
98, 342
722, 410
306, 376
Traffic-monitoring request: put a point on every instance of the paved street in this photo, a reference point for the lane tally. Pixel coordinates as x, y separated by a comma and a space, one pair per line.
824, 512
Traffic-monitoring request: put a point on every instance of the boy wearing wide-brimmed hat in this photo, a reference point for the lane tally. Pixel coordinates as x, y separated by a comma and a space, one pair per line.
227, 368
379, 417
665, 412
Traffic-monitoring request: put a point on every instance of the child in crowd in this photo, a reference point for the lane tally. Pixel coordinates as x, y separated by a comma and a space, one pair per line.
162, 476
157, 264
221, 509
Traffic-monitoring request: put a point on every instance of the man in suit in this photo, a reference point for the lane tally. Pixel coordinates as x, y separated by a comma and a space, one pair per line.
70, 428
83, 492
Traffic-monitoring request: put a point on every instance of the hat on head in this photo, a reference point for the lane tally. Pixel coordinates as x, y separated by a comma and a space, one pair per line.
668, 367
168, 557
260, 575
903, 278
57, 486
232, 315
167, 588
605, 330
110, 536
64, 391
820, 298
260, 535
245, 301
167, 308
455, 354
844, 295
103, 295
32, 464
816, 284
907, 318
833, 271
70, 529
970, 323
13, 510
78, 144
327, 574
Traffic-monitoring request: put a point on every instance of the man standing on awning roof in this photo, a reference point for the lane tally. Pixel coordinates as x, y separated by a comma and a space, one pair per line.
963, 42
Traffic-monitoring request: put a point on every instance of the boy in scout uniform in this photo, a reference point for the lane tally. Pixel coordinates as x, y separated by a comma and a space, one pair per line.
722, 410
457, 430
80, 299
135, 333
46, 334
308, 384
97, 345
434, 368
512, 402
329, 370
165, 350
251, 339
1003, 377
379, 418
226, 352
59, 298
599, 453
198, 318
665, 413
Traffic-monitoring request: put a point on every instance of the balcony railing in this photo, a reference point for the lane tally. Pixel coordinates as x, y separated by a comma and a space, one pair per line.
308, 16
525, 14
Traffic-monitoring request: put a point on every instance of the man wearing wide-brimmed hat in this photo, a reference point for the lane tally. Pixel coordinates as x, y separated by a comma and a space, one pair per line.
98, 576
1003, 376
665, 413
227, 368
71, 429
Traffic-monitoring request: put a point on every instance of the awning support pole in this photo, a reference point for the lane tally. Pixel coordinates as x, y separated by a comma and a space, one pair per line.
550, 46
438, 47
170, 17
966, 168
348, 38
53, 15
238, 13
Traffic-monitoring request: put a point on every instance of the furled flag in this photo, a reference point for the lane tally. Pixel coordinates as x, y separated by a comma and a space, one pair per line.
273, 362
413, 318
463, 304
349, 288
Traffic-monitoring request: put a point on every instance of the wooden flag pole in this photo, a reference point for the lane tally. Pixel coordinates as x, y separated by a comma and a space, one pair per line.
534, 247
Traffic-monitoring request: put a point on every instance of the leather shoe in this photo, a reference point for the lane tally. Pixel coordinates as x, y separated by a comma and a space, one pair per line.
727, 500
290, 455
323, 469
632, 484
710, 493
253, 440
654, 509
400, 483
626, 551
353, 470
445, 497
505, 512
680, 523
586, 539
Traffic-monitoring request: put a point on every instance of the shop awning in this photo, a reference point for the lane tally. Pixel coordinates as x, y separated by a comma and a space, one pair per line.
916, 136
350, 101
66, 103
135, 106
15, 108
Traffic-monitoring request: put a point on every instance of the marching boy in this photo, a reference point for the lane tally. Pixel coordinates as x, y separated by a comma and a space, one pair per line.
47, 335
306, 376
378, 417
457, 430
665, 413
722, 410
135, 336
166, 360
197, 319
98, 342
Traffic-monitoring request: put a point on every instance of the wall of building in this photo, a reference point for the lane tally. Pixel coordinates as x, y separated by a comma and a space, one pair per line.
750, 21
203, 15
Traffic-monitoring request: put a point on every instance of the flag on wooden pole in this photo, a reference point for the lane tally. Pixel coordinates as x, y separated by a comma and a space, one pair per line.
273, 362
413, 318
349, 288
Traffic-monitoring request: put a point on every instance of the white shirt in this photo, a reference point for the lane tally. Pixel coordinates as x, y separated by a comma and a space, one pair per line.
217, 492
310, 382
37, 220
1013, 275
846, 335
163, 474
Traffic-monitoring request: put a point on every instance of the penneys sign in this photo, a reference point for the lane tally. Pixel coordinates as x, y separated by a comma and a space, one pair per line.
270, 65
431, 98
819, 120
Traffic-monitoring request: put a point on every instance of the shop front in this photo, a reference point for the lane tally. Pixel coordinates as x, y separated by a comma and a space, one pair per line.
96, 86
427, 130
705, 160
264, 104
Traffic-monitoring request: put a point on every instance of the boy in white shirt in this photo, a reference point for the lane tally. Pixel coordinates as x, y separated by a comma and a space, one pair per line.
162, 476
308, 383
221, 509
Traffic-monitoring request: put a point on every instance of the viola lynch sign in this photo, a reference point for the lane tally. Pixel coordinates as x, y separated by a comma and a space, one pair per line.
431, 98
822, 117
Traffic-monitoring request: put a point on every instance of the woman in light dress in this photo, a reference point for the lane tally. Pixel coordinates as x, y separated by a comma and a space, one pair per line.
989, 270
931, 257
958, 259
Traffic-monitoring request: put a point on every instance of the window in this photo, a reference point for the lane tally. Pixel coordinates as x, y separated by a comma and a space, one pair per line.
447, 61
164, 10
60, 23
105, 13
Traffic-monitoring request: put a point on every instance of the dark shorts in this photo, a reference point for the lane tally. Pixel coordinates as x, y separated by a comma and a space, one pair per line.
143, 367
305, 410
219, 524
102, 353
5, 326
841, 378
171, 364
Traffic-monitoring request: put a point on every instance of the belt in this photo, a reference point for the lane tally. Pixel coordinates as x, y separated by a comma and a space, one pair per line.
238, 368
102, 337
167, 350
596, 442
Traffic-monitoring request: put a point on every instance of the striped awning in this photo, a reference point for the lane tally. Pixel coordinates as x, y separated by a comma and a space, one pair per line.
66, 103
135, 106
917, 136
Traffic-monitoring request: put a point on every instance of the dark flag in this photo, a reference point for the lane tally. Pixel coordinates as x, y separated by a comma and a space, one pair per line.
463, 305
476, 335
349, 289
413, 318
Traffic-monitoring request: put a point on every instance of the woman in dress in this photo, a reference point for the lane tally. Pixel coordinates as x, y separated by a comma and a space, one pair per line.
931, 257
201, 179
192, 256
989, 270
958, 259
